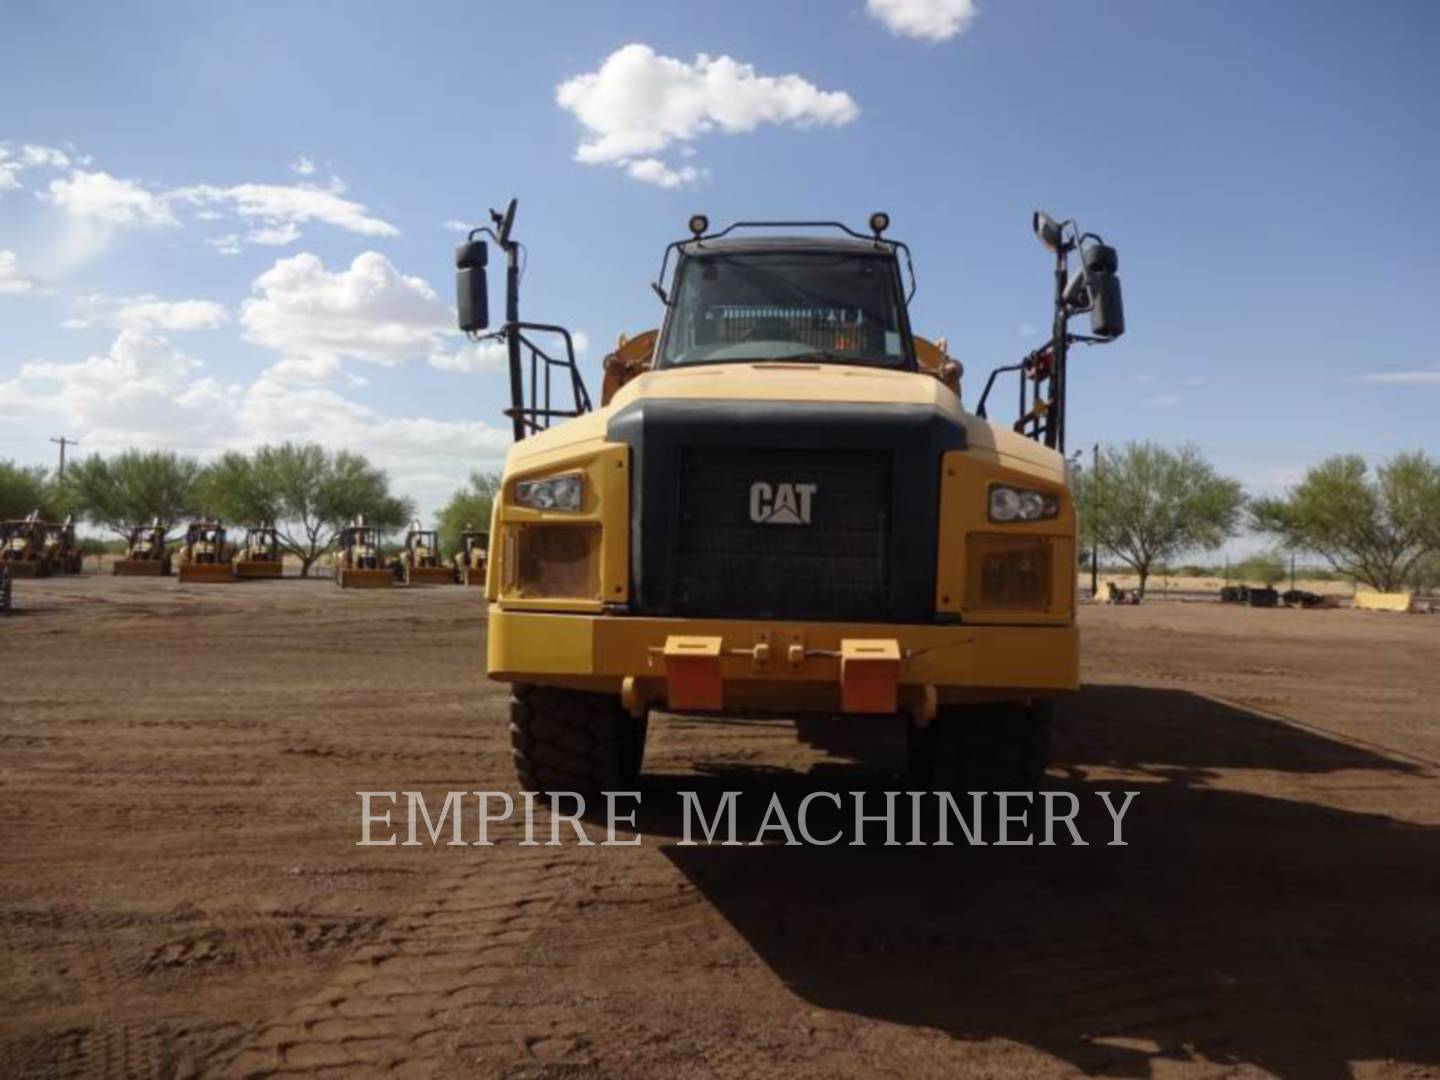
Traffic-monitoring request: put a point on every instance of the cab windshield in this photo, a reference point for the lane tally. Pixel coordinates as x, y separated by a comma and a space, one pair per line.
837, 307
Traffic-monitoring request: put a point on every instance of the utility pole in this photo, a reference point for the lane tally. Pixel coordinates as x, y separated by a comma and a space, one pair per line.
1094, 530
64, 442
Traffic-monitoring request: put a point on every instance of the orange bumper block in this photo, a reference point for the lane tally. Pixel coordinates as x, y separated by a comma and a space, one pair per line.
693, 679
869, 675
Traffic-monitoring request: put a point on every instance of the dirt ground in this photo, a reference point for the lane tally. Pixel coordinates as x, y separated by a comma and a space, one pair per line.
181, 892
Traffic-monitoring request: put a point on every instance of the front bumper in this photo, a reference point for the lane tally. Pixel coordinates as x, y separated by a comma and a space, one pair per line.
629, 654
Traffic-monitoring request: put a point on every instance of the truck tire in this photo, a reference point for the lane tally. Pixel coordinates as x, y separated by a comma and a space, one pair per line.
998, 747
570, 740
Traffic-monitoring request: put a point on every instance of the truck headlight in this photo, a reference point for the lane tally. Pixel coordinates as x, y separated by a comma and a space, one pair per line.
1018, 504
565, 492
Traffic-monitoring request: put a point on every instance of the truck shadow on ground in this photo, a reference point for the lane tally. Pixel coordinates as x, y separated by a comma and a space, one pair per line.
1235, 927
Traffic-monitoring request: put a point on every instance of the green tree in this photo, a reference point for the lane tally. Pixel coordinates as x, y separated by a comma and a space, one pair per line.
1147, 504
132, 488
318, 493
1377, 528
1266, 567
469, 508
24, 488
235, 488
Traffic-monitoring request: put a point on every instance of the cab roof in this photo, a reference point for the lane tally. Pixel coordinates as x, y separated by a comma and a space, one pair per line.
745, 244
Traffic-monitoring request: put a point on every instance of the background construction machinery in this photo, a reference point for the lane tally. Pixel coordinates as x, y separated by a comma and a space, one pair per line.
359, 563
203, 555
146, 554
259, 556
22, 546
60, 548
470, 561
419, 561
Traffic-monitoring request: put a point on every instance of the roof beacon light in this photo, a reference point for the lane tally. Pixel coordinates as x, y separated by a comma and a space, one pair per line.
699, 225
1049, 231
879, 222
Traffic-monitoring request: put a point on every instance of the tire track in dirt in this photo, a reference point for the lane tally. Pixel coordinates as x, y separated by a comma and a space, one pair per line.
423, 991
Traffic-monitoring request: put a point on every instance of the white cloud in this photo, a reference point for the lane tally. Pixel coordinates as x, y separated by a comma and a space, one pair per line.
639, 103
286, 232
14, 162
1165, 401
144, 392
929, 20
487, 357
456, 225
109, 199
473, 357
655, 171
1403, 378
270, 214
369, 311
147, 313
44, 155
277, 210
12, 281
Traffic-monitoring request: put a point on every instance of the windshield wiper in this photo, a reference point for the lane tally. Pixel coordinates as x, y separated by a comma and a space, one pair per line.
829, 356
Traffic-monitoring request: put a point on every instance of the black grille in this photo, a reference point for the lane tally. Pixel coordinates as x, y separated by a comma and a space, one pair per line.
835, 566
869, 552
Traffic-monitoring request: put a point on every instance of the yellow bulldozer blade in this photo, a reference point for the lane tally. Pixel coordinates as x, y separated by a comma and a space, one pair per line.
366, 579
139, 568
429, 575
259, 568
205, 573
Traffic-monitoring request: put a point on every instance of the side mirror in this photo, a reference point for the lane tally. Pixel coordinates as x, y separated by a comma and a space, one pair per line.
1100, 259
472, 291
1107, 311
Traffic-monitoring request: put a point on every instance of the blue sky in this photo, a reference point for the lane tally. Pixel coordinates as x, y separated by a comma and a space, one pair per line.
231, 225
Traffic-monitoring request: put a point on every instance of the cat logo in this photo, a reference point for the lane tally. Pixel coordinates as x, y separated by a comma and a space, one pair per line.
781, 504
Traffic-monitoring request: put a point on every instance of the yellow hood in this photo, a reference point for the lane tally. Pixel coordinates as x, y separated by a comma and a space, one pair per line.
782, 381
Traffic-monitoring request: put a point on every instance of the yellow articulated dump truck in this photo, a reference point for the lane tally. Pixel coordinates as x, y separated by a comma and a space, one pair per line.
203, 555
781, 504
